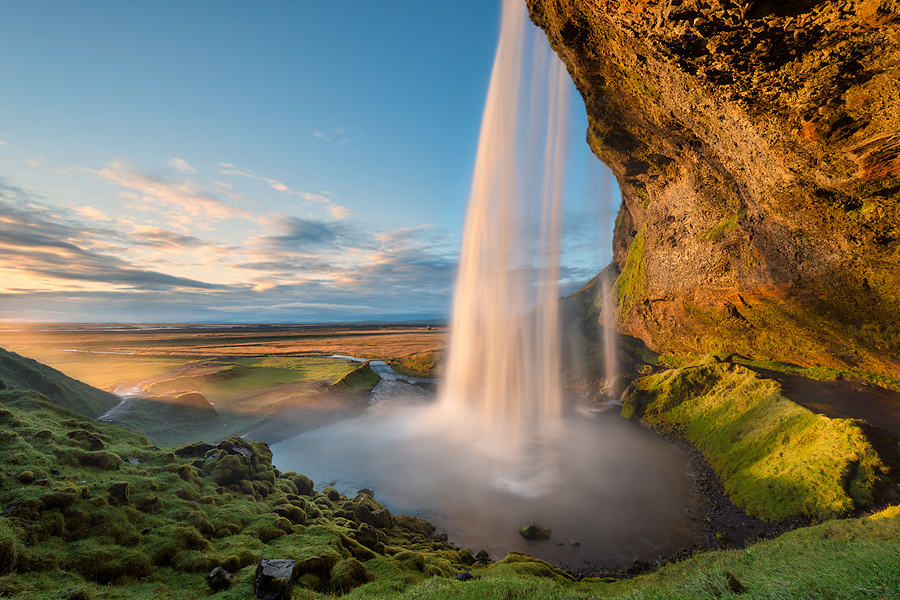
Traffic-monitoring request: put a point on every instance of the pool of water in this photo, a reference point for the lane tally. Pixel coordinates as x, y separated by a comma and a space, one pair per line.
609, 490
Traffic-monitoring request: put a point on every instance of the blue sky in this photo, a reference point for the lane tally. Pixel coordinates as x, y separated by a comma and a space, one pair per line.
266, 162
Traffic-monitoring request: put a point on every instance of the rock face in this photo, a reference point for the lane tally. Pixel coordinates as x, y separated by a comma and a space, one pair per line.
757, 147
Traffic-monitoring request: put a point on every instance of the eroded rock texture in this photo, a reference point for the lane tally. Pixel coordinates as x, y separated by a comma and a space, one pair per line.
757, 146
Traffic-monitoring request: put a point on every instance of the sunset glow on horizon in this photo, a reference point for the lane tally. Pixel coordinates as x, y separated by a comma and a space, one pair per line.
286, 163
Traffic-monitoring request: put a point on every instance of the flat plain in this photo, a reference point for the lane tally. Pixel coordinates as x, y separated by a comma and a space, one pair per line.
215, 380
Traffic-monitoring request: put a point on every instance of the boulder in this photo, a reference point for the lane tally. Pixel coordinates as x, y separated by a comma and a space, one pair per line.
274, 579
219, 579
535, 532
304, 485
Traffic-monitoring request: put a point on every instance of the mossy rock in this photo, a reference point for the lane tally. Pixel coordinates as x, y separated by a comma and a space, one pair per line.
349, 574
100, 459
332, 494
414, 525
368, 510
303, 484
230, 469
523, 564
294, 514
195, 450
411, 560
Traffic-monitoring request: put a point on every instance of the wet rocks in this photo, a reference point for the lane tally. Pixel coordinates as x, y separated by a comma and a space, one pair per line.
274, 579
535, 532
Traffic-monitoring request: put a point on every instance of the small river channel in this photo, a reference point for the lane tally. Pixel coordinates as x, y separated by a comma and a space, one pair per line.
609, 490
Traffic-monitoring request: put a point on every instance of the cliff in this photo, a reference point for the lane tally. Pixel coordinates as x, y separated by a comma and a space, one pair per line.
757, 147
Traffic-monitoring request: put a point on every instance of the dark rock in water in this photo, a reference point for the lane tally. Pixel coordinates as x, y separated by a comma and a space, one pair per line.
274, 579
535, 532
118, 493
219, 579
367, 492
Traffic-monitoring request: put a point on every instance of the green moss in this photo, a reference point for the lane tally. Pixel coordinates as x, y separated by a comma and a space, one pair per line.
629, 287
719, 231
776, 459
349, 574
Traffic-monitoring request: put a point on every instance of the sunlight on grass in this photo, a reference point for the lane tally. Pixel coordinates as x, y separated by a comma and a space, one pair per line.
776, 459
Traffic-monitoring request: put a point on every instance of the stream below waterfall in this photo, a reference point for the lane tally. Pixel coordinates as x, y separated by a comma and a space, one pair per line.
609, 490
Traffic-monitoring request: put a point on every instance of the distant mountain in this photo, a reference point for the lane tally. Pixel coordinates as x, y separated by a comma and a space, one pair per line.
19, 372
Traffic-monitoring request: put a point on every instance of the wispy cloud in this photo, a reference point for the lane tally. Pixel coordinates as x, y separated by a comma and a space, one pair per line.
89, 212
181, 165
335, 211
335, 136
184, 203
287, 268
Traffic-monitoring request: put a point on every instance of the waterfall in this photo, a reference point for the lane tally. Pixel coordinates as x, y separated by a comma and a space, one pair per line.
502, 380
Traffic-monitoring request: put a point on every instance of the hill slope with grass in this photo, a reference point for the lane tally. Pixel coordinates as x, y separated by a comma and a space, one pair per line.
19, 372
92, 511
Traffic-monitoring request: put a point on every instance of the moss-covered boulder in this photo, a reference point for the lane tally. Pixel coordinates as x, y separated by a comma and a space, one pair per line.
349, 574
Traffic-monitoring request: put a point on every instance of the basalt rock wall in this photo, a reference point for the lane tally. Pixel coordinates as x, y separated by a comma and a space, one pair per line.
757, 147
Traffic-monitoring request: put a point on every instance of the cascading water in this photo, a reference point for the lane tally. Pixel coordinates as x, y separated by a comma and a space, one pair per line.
502, 376
498, 450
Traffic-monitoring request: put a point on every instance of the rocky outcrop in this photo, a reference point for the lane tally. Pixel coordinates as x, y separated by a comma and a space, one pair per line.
757, 147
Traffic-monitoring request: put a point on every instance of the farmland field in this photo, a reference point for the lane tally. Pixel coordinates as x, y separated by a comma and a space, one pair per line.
183, 382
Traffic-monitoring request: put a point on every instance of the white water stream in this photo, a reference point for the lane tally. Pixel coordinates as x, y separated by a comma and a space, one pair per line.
501, 447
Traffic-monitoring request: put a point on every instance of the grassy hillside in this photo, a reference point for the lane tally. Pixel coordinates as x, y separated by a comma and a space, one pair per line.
19, 372
420, 364
776, 459
92, 511
360, 379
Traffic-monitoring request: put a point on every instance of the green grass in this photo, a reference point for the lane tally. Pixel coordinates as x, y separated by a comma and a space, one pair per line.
420, 364
776, 459
194, 507
24, 373
360, 379
186, 511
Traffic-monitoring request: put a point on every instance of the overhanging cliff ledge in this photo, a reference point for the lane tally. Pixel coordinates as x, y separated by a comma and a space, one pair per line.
757, 146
